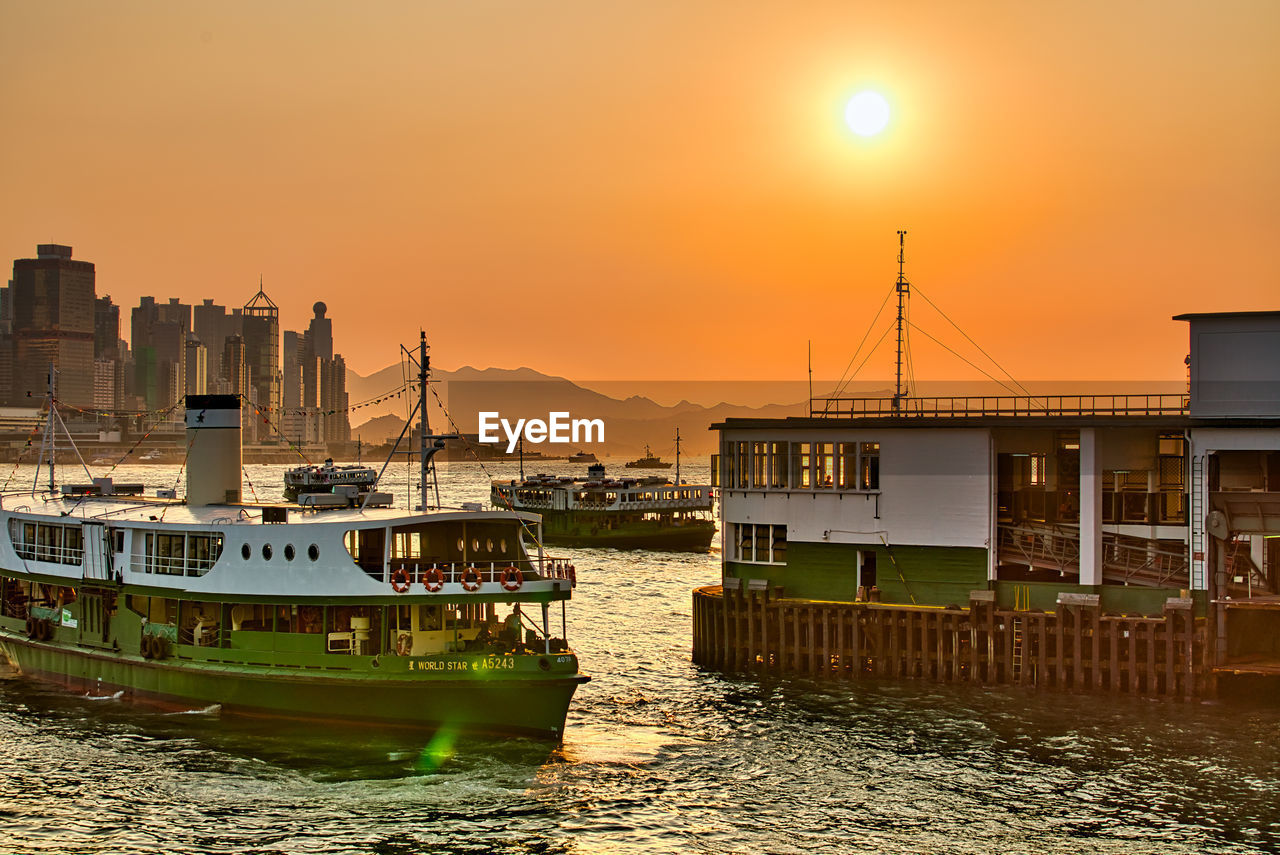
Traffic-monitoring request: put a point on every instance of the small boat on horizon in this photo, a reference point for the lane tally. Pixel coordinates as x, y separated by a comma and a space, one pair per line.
648, 462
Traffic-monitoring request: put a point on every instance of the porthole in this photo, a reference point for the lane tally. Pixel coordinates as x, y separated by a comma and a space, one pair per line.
245, 552
313, 552
502, 546
475, 544
288, 552
266, 551
488, 545
462, 544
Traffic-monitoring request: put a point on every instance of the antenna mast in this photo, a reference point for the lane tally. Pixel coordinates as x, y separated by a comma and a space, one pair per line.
903, 288
48, 441
428, 443
677, 457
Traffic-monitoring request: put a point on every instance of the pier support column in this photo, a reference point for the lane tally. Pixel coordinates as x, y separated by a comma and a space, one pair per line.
1090, 509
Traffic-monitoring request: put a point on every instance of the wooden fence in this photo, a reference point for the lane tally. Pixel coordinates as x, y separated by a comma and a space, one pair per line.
1077, 647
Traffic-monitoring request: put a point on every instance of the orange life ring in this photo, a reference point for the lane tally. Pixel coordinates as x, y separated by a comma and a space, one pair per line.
433, 579
572, 573
471, 579
404, 644
512, 578
400, 580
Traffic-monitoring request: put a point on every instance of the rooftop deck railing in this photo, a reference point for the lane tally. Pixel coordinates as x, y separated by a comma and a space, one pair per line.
1010, 405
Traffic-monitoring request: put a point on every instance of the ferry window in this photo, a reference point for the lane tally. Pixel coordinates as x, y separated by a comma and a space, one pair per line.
288, 552
117, 539
203, 550
744, 471
74, 546
313, 552
245, 552
715, 470
801, 465
824, 463
266, 552
871, 466
169, 555
1036, 471
847, 478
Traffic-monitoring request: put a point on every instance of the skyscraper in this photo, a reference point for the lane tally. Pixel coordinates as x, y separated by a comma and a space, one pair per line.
53, 322
261, 320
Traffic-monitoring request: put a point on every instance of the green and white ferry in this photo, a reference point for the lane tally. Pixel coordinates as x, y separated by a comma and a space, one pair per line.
439, 619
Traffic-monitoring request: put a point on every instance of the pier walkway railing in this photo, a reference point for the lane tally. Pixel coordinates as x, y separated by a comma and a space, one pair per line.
1010, 405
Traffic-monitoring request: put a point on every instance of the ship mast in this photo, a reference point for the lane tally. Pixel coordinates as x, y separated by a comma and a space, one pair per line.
428, 443
677, 457
903, 287
47, 442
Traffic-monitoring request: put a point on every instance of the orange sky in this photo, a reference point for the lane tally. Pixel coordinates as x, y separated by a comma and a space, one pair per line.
661, 189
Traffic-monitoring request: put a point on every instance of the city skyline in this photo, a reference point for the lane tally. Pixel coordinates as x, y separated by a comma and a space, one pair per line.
1069, 176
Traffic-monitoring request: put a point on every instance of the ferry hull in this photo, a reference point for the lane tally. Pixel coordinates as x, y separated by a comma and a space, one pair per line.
685, 538
493, 701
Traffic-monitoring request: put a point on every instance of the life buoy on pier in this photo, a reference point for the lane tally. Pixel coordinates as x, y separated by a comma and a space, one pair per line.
572, 574
44, 630
512, 578
159, 647
471, 579
400, 580
433, 579
31, 628
145, 647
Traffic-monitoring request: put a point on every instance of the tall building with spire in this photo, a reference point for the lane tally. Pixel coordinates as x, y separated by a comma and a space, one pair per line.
261, 324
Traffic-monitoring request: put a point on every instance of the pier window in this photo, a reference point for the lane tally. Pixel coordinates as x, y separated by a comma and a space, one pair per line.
824, 465
759, 461
802, 465
760, 543
847, 472
742, 465
871, 466
778, 465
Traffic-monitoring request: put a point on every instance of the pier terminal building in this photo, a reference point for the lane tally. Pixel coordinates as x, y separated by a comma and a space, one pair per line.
1129, 542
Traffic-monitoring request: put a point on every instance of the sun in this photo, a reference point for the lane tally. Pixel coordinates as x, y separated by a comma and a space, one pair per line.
867, 113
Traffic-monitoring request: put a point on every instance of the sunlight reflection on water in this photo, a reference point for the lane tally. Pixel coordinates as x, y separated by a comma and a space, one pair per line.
658, 757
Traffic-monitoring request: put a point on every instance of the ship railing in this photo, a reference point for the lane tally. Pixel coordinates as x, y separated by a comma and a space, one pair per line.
1001, 405
485, 572
49, 552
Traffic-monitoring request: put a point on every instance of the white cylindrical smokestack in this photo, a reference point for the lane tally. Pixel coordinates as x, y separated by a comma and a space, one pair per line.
213, 449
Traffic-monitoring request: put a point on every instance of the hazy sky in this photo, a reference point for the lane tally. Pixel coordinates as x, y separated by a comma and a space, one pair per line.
661, 189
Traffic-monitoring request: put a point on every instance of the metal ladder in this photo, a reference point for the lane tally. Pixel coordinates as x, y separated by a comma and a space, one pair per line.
1197, 523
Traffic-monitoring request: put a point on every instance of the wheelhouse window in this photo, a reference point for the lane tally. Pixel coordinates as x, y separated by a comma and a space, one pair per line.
824, 465
61, 544
190, 553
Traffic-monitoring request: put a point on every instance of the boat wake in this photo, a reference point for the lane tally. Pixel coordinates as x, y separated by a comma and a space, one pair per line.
115, 696
212, 709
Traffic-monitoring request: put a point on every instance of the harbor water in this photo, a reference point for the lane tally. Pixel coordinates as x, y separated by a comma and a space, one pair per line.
658, 756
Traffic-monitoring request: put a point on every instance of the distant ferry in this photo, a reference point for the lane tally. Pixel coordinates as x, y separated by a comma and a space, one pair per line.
338, 485
630, 513
648, 462
582, 457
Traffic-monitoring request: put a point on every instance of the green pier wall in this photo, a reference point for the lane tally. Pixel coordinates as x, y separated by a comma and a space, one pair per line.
927, 575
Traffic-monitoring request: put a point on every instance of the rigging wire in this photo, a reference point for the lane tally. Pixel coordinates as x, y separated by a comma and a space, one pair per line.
1024, 389
972, 365
840, 388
